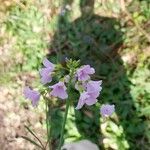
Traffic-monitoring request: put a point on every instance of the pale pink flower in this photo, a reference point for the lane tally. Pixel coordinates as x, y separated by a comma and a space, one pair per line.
94, 87
86, 98
59, 90
107, 110
34, 96
84, 71
46, 71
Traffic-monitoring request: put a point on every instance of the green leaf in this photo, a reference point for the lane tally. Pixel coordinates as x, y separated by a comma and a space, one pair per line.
146, 111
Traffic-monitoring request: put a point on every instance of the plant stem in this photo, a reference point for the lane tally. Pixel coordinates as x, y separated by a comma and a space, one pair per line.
50, 129
65, 117
48, 124
63, 125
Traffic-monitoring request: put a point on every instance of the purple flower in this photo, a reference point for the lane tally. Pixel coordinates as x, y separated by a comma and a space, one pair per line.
84, 72
89, 96
107, 110
47, 71
59, 90
34, 96
86, 98
94, 87
48, 64
45, 75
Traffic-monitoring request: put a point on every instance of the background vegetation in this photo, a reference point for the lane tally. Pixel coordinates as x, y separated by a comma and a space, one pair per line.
116, 41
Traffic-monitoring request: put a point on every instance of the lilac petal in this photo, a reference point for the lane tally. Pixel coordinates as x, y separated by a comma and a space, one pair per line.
59, 90
34, 96
48, 64
63, 95
46, 79
59, 93
26, 92
34, 103
82, 76
89, 70
45, 71
91, 101
94, 94
94, 88
59, 84
107, 110
80, 104
84, 71
45, 75
82, 99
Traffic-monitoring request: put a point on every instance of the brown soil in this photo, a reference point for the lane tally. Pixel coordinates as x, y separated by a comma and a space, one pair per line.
13, 117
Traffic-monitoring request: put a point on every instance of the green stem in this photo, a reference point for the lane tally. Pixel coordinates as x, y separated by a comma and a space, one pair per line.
65, 117
63, 125
50, 129
46, 105
48, 124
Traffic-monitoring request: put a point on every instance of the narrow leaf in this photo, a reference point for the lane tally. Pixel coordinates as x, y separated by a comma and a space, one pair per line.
34, 135
33, 142
30, 131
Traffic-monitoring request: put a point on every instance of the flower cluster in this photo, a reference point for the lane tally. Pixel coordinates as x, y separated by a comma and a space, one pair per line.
80, 77
89, 90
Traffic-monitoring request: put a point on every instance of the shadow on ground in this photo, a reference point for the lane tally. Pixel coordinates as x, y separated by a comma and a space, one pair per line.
96, 40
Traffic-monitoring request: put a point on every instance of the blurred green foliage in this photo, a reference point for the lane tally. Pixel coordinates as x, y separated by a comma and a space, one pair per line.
115, 47
27, 25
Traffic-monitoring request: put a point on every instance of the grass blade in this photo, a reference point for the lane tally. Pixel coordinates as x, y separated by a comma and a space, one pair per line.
34, 135
33, 142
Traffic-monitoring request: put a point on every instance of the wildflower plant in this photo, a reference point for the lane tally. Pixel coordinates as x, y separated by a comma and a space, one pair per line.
76, 76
